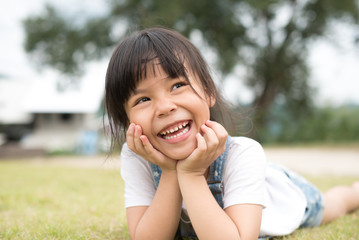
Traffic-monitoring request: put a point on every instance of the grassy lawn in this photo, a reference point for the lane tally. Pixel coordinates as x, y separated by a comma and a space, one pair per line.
48, 202
52, 202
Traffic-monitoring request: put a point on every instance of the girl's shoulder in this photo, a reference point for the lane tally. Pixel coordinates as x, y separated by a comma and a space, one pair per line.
244, 143
245, 151
243, 140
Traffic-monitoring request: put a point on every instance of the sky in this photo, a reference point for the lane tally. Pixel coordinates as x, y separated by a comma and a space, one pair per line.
335, 63
13, 55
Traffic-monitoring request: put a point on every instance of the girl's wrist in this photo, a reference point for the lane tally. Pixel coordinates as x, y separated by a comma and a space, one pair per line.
189, 179
185, 174
165, 164
169, 171
190, 171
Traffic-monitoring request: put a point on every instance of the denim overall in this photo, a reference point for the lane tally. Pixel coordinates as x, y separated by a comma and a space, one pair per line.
214, 180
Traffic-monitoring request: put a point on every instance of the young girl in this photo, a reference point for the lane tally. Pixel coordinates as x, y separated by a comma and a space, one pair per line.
184, 176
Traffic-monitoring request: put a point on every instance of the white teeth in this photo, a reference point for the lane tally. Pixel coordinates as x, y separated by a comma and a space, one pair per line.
183, 125
177, 135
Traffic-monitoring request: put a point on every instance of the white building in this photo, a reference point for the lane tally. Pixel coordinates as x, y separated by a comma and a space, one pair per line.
52, 119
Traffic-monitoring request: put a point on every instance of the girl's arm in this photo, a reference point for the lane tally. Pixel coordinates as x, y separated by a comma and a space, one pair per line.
240, 221
207, 217
160, 219
247, 218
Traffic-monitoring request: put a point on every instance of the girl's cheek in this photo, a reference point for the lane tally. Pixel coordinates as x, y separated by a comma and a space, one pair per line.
131, 116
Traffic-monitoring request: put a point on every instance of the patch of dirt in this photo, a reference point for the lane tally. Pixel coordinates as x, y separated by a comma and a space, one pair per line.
317, 161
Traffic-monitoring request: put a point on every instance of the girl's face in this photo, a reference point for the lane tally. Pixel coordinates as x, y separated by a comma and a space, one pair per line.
169, 112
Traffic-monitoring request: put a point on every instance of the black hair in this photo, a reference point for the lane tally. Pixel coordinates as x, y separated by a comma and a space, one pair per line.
142, 51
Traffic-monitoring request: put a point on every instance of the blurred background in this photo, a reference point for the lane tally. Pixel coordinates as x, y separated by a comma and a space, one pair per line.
291, 68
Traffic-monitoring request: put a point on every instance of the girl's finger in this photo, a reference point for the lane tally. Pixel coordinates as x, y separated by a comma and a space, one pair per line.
219, 130
141, 145
155, 156
130, 136
201, 143
210, 137
137, 140
147, 145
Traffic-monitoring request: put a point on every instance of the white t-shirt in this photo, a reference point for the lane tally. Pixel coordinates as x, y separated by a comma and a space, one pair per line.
246, 179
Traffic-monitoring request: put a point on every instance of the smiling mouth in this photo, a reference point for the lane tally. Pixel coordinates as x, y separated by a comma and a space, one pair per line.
175, 131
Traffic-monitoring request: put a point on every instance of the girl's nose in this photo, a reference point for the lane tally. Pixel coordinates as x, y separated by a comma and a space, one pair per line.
165, 106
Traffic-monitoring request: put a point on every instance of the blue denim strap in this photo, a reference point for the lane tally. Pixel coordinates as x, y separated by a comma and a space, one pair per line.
156, 173
214, 179
215, 175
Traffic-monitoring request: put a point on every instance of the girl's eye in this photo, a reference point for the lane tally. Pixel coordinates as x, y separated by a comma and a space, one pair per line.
178, 85
141, 100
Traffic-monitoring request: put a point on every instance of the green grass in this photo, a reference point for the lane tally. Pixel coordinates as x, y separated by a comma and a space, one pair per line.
47, 202
52, 202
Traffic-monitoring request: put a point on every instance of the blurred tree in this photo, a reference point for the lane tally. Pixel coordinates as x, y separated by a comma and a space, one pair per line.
59, 42
326, 124
270, 38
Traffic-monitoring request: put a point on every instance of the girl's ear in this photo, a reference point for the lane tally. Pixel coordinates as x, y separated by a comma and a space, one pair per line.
211, 100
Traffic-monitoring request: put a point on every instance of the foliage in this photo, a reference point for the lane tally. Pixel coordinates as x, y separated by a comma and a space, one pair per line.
56, 41
269, 38
326, 124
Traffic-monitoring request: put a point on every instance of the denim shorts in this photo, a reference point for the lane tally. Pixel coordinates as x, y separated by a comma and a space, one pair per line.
315, 206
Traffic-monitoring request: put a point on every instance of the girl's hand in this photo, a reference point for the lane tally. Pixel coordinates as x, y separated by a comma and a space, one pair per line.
140, 144
209, 147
